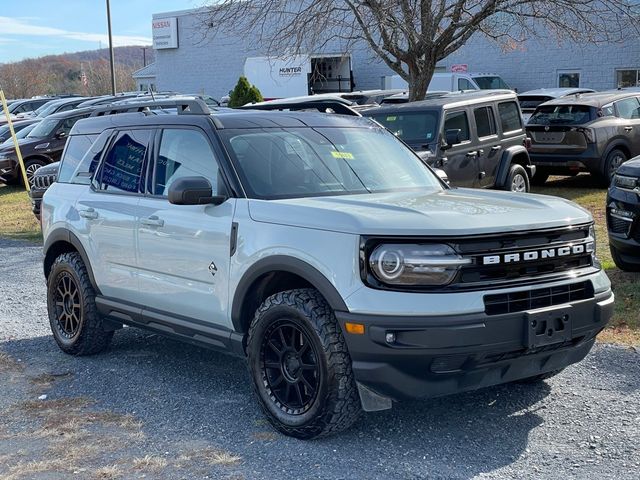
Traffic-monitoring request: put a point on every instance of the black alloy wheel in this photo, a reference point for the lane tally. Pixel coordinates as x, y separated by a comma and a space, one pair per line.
290, 367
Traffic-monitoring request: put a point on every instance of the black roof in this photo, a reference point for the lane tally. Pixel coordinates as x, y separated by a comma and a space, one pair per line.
445, 101
597, 99
222, 119
76, 112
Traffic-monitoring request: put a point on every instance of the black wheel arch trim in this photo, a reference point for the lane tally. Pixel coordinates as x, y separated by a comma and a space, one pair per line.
617, 144
506, 161
64, 235
283, 263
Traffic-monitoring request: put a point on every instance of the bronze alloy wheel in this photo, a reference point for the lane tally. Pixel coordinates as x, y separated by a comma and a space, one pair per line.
68, 306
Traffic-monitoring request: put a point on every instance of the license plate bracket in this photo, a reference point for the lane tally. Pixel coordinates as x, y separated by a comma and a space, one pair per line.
547, 327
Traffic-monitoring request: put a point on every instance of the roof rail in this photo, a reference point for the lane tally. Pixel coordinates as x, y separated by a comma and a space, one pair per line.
188, 106
322, 105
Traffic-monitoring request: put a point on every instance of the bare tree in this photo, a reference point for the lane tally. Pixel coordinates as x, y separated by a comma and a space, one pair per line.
411, 36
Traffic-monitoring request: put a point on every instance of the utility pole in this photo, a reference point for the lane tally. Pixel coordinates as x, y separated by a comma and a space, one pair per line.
111, 59
144, 56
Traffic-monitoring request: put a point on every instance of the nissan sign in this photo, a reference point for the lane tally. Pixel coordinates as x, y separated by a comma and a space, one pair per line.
165, 33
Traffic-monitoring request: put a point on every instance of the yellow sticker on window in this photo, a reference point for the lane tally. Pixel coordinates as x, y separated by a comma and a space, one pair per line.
391, 119
345, 155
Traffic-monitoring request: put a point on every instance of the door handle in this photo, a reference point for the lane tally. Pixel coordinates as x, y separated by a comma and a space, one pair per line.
495, 148
473, 153
152, 221
628, 128
89, 214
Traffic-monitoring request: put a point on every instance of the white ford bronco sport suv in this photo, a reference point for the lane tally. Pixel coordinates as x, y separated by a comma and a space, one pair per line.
320, 248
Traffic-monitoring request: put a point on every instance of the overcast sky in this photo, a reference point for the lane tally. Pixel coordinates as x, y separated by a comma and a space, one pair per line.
32, 28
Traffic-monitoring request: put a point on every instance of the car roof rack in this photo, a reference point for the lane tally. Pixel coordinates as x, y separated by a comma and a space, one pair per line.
184, 106
340, 107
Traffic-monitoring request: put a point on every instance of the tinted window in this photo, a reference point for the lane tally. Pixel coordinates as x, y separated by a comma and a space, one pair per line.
44, 128
491, 83
464, 84
184, 153
531, 102
81, 157
607, 110
303, 162
412, 127
458, 121
562, 115
628, 108
123, 166
485, 123
510, 118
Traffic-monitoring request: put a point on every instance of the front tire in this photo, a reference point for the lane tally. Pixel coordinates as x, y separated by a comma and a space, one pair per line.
31, 167
517, 180
300, 366
75, 323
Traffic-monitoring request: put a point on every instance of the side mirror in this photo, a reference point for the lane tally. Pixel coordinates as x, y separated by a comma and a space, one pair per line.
452, 137
60, 135
193, 191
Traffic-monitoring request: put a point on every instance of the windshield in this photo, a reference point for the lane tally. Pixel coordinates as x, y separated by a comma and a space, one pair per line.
304, 162
47, 107
562, 115
44, 129
21, 134
491, 83
412, 127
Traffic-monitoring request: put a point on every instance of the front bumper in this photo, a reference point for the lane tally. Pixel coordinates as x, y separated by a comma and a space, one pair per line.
625, 240
442, 355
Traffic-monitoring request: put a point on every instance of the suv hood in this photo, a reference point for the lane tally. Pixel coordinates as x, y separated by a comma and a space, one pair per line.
458, 211
630, 168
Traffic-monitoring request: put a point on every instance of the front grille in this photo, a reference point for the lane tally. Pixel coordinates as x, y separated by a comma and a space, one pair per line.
43, 181
537, 298
635, 232
618, 225
505, 273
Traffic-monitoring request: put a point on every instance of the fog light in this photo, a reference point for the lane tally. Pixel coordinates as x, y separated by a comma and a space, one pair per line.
390, 338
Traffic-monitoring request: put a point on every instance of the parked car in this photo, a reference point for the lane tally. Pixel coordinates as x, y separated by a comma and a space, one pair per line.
594, 132
42, 180
57, 106
28, 105
43, 145
403, 97
530, 100
477, 138
623, 216
5, 132
322, 250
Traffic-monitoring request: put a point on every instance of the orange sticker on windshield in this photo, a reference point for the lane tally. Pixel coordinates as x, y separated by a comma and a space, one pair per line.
345, 155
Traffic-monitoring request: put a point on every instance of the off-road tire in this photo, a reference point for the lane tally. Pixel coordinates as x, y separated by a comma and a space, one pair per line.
615, 156
517, 176
540, 178
336, 406
89, 337
621, 263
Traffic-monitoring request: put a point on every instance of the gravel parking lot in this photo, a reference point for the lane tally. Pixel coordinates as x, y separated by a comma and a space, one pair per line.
156, 408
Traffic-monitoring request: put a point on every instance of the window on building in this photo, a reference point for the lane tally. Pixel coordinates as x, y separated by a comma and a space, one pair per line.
458, 121
628, 78
485, 123
568, 79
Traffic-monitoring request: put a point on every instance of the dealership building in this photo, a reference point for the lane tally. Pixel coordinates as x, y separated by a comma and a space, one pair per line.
190, 60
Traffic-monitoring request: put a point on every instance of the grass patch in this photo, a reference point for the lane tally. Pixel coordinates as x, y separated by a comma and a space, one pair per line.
582, 189
17, 220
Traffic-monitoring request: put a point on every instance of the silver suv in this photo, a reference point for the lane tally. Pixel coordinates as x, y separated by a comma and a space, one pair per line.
320, 248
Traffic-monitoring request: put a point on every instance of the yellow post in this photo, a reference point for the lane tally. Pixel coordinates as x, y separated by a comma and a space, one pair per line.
15, 140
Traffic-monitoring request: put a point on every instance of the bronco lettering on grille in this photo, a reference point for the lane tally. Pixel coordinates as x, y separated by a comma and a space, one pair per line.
540, 254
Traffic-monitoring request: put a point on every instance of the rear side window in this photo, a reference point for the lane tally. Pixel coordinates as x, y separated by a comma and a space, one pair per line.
80, 158
123, 166
562, 115
464, 84
510, 118
458, 121
628, 108
485, 123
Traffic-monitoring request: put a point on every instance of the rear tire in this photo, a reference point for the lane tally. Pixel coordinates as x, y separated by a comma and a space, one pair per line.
75, 323
621, 263
612, 162
300, 366
517, 180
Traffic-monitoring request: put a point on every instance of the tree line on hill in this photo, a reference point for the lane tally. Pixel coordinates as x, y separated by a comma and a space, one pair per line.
82, 73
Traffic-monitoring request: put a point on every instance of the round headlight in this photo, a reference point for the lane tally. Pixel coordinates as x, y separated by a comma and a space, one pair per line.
390, 264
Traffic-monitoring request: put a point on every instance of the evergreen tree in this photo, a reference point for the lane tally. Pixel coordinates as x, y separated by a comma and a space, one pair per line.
244, 93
